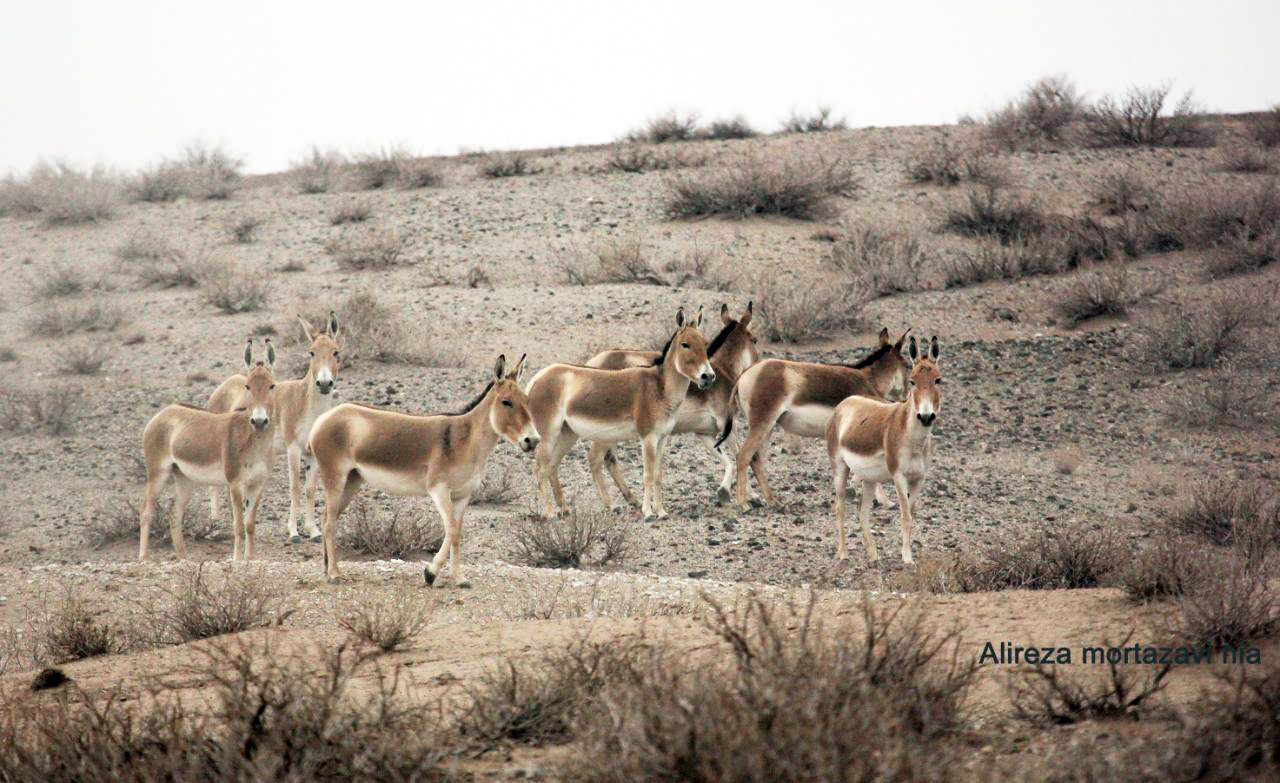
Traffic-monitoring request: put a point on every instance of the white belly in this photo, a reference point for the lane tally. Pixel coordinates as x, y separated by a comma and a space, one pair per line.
809, 421
393, 482
207, 475
591, 429
866, 468
696, 420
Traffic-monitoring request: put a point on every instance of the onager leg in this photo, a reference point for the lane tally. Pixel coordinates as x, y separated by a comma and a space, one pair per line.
254, 497
563, 444
455, 553
155, 482
237, 521
182, 492
904, 502
595, 458
839, 485
338, 493
864, 516
759, 428
726, 481
309, 499
758, 464
615, 470
295, 492
215, 502
444, 504
659, 505
649, 449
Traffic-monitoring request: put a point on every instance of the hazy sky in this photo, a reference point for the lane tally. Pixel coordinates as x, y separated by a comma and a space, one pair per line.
126, 82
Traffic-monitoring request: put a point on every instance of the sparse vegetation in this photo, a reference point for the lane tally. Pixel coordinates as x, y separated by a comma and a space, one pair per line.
389, 534
1039, 118
508, 164
1241, 252
1230, 605
1264, 127
1167, 569
1058, 558
792, 309
1246, 158
1226, 511
820, 121
944, 161
392, 166
71, 632
63, 320
1195, 334
50, 410
350, 212
1140, 118
1201, 216
61, 281
735, 127
1105, 291
234, 289
156, 263
84, 358
201, 607
800, 188
319, 171
636, 158
367, 250
389, 623
566, 541
1229, 396
244, 228
61, 195
667, 127
880, 261
989, 211
1122, 191
994, 261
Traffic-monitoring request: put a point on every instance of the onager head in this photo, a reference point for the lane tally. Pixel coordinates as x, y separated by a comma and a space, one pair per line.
324, 353
687, 351
260, 382
739, 344
925, 397
897, 356
509, 414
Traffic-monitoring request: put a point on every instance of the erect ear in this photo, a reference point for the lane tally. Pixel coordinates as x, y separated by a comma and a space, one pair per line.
933, 348
333, 324
698, 322
884, 336
724, 314
515, 371
499, 366
912, 351
248, 353
306, 329
746, 317
680, 316
271, 353
898, 345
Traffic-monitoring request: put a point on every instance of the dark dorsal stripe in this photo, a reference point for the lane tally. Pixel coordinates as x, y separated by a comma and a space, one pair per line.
875, 356
662, 356
472, 405
720, 338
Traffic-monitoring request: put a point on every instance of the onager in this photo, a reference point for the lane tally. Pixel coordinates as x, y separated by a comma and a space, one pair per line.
881, 441
609, 406
442, 456
703, 412
299, 403
799, 397
198, 447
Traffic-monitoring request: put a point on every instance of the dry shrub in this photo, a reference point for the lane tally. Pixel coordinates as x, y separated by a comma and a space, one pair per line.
201, 607
1105, 291
389, 623
1230, 604
70, 632
1122, 191
627, 259
1140, 118
1046, 693
389, 534
117, 520
994, 261
269, 716
7, 354
208, 172
1227, 397
418, 173
61, 195
51, 410
792, 309
1241, 252
820, 121
636, 158
60, 321
159, 184
500, 485
1167, 569
1067, 557
1039, 118
1225, 511
800, 188
943, 161
84, 358
318, 172
735, 127
570, 541
667, 127
1201, 216
233, 288
1197, 334
880, 261
508, 164
156, 262
367, 250
1234, 733
1264, 127
796, 702
1245, 157
374, 332
989, 211
61, 281
350, 212
244, 228
392, 166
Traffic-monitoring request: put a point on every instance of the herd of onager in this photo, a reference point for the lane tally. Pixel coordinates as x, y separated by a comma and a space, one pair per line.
689, 386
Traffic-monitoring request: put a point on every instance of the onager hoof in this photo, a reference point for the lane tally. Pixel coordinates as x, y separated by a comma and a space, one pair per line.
295, 539
427, 575
722, 496
757, 503
316, 537
465, 584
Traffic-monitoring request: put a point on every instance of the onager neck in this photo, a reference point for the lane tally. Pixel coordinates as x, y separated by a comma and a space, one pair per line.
917, 433
480, 431
675, 387
881, 376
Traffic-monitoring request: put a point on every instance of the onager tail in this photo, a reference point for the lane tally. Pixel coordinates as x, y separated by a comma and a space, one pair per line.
729, 417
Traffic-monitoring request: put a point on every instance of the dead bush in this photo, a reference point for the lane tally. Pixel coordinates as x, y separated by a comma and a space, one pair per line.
84, 358
418, 173
1140, 118
628, 259
1195, 334
201, 607
50, 411
1239, 252
1047, 693
1234, 733
61, 281
994, 261
389, 534
243, 229
374, 332
1062, 558
1231, 605
1245, 158
1200, 217
1040, 117
500, 486
350, 212
318, 172
389, 623
735, 127
60, 321
70, 632
1264, 127
367, 250
667, 127
234, 289
1122, 191
991, 212
1105, 291
820, 121
157, 264
164, 182
508, 164
637, 158
800, 188
880, 261
210, 172
379, 169
1229, 397
62, 195
943, 161
1226, 511
570, 541
792, 309
116, 520
1167, 569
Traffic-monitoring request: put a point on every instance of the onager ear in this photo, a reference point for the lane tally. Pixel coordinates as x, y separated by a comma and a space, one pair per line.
248, 353
515, 371
698, 323
884, 335
746, 317
724, 314
912, 352
933, 348
271, 353
898, 345
680, 316
306, 329
499, 366
333, 324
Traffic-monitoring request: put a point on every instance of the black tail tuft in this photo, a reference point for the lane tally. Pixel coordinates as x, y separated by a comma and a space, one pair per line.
728, 429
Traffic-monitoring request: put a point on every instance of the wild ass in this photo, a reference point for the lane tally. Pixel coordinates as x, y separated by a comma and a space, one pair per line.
882, 441
198, 447
299, 403
703, 412
609, 406
800, 396
441, 456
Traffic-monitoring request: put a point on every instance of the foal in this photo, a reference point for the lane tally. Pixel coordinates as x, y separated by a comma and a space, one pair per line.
441, 456
299, 403
731, 352
570, 402
881, 441
198, 447
800, 396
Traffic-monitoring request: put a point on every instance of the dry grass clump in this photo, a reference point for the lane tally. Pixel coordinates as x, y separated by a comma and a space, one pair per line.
1264, 127
794, 308
508, 164
989, 211
1230, 605
1225, 511
637, 158
70, 632
201, 607
627, 259
820, 121
61, 281
1202, 216
392, 166
1169, 568
60, 321
571, 540
671, 126
735, 127
374, 332
84, 358
202, 171
116, 520
389, 623
880, 261
234, 289
1039, 118
243, 229
157, 263
319, 171
1234, 733
943, 161
367, 250
800, 188
1245, 157
1105, 291
51, 410
1200, 333
1229, 396
350, 212
62, 195
994, 261
1122, 191
1241, 252
389, 534
1065, 557
1140, 118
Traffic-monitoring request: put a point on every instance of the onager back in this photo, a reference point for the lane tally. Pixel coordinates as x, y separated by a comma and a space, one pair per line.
442, 456
704, 411
879, 441
197, 447
298, 403
570, 402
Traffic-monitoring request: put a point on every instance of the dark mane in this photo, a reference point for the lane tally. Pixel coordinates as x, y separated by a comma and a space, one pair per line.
662, 355
875, 356
472, 405
720, 338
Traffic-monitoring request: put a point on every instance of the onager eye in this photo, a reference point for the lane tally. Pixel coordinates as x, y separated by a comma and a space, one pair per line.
272, 386
508, 403
335, 354
312, 353
938, 381
684, 345
246, 385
